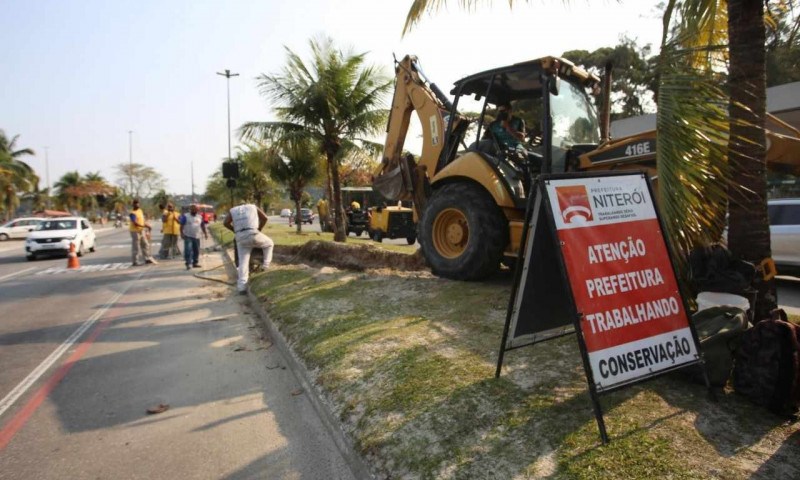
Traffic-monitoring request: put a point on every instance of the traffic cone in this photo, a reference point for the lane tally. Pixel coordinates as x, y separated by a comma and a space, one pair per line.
72, 257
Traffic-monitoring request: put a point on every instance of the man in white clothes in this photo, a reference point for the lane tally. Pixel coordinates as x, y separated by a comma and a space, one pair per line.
246, 222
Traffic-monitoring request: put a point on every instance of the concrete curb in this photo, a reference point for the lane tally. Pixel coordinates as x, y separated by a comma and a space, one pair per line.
298, 369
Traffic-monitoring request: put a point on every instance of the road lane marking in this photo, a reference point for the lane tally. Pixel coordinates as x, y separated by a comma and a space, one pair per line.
19, 420
16, 273
124, 245
86, 268
48, 362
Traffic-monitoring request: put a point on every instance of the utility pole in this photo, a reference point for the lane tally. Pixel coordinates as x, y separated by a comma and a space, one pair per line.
130, 159
228, 76
47, 174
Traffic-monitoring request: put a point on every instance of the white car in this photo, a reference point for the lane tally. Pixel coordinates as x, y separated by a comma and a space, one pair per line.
54, 236
286, 213
18, 228
784, 221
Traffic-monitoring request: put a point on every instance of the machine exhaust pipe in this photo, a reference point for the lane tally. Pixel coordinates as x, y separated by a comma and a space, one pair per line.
605, 114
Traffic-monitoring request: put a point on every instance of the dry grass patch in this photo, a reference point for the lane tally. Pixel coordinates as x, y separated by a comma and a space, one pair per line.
407, 362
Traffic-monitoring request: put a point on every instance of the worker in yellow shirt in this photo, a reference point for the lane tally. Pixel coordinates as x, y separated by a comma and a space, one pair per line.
172, 231
324, 214
139, 243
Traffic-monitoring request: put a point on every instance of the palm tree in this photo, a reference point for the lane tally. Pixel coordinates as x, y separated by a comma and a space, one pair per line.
116, 200
295, 165
748, 231
38, 198
254, 177
334, 101
93, 191
731, 40
15, 175
66, 190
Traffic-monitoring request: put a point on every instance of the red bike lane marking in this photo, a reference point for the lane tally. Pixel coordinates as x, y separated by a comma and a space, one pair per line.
21, 418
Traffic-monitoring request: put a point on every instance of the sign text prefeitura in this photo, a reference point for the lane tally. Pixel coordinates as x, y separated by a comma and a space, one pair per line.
632, 315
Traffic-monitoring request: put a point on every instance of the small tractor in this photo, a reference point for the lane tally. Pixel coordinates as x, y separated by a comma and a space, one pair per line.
392, 222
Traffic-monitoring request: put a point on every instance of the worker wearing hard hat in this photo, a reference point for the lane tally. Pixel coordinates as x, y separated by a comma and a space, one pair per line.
355, 205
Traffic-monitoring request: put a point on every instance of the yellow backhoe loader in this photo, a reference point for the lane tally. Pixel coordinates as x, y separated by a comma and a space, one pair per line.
470, 183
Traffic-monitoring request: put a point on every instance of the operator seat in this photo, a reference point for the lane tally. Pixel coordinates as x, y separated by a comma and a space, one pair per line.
488, 144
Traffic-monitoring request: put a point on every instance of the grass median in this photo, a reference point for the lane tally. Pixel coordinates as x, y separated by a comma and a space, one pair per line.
406, 361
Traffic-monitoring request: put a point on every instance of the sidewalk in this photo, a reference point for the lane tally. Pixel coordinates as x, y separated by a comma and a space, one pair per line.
235, 410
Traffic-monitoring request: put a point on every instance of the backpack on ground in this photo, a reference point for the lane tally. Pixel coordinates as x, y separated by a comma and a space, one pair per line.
720, 330
714, 269
767, 367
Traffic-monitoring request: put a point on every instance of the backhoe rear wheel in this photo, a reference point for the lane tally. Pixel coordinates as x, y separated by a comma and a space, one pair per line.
463, 233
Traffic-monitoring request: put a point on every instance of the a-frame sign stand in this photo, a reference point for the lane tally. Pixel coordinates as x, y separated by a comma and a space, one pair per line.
594, 260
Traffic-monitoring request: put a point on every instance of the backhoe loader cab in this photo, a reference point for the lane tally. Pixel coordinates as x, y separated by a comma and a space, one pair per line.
468, 186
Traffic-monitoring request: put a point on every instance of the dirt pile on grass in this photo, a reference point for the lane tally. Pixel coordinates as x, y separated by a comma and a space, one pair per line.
350, 257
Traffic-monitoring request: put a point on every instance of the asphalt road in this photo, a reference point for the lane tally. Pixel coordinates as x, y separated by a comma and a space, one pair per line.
85, 353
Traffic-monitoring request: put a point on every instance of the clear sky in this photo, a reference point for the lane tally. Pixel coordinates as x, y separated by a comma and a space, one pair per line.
78, 75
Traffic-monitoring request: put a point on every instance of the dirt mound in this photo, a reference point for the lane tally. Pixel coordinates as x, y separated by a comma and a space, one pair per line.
350, 257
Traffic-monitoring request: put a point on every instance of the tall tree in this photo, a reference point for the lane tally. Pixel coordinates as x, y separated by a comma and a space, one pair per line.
783, 46
335, 100
634, 82
748, 231
295, 165
357, 169
16, 176
137, 180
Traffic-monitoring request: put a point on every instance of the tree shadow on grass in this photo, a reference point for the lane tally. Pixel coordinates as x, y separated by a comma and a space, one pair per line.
734, 425
783, 463
491, 429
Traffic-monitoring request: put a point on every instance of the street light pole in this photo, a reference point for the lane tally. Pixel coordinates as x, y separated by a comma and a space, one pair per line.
130, 159
228, 76
47, 173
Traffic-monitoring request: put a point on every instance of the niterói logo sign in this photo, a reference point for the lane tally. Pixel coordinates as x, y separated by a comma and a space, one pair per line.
574, 204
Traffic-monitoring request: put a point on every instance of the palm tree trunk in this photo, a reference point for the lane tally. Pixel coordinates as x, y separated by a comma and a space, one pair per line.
339, 228
748, 234
297, 217
328, 176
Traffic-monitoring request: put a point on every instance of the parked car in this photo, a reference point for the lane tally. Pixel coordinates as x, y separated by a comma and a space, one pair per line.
18, 228
286, 213
784, 221
307, 215
54, 236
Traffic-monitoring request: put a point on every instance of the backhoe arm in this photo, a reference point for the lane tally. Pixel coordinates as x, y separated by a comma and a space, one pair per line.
400, 177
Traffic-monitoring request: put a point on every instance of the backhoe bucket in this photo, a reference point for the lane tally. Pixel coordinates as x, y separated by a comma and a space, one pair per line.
390, 184
783, 153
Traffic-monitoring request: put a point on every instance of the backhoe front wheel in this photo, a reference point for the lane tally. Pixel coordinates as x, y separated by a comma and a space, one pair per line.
463, 233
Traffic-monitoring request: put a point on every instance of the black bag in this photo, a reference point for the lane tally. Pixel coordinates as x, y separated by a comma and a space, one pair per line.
713, 269
767, 369
720, 330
